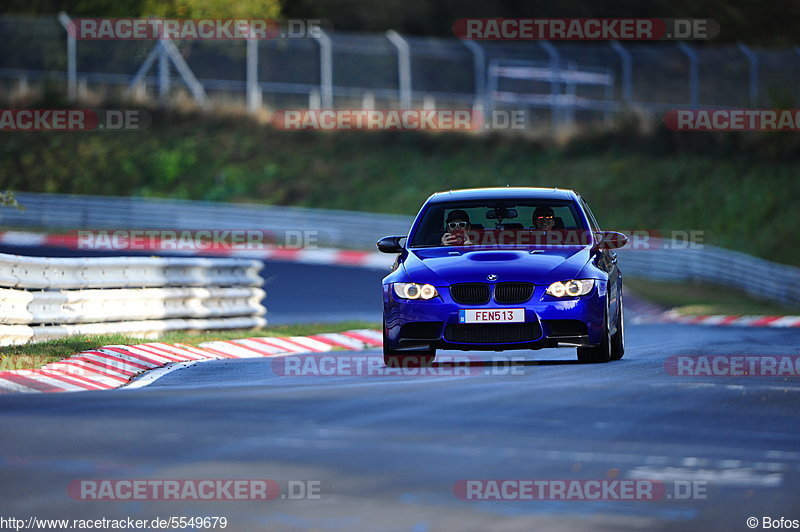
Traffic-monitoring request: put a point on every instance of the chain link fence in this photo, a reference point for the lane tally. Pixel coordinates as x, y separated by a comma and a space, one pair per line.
364, 70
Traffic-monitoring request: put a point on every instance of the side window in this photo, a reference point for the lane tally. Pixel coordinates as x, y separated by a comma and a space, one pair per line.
592, 220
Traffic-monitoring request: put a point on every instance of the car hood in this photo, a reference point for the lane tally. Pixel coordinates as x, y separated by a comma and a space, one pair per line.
446, 265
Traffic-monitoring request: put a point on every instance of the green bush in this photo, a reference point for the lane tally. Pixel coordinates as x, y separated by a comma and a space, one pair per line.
739, 189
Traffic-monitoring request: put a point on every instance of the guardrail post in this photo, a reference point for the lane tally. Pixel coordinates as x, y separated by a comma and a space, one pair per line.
368, 100
482, 101
72, 67
325, 68
314, 100
694, 76
253, 88
403, 67
752, 58
627, 71
555, 86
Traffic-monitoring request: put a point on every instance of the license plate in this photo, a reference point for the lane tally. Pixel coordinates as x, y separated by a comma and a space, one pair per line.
493, 315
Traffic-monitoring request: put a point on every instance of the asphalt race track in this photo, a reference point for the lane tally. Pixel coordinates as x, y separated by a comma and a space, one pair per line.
387, 450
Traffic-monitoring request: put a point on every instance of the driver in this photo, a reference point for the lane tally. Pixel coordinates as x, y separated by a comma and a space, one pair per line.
456, 227
543, 219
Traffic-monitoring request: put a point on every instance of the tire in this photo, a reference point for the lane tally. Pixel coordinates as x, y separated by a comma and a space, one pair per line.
618, 339
406, 359
600, 353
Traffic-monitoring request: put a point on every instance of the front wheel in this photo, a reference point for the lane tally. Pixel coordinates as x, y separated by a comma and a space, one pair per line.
618, 339
599, 353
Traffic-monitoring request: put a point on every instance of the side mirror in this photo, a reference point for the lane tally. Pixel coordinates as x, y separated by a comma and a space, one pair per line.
609, 240
390, 244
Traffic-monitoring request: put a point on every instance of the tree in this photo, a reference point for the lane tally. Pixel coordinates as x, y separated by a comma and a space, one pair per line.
7, 199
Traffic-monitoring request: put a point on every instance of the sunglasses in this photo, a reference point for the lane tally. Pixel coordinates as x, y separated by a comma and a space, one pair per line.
546, 218
460, 225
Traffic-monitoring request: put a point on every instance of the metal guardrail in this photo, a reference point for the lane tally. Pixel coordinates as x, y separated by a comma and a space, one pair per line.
126, 304
330, 228
124, 272
45, 298
357, 230
757, 277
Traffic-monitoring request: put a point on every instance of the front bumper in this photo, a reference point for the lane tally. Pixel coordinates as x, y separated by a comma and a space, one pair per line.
550, 322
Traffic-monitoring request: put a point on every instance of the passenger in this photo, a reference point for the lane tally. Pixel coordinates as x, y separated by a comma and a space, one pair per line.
456, 228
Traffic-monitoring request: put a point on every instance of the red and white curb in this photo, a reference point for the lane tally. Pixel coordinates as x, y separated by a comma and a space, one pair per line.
115, 366
331, 256
733, 321
720, 320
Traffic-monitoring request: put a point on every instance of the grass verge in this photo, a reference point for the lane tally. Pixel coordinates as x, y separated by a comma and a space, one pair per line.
31, 356
704, 298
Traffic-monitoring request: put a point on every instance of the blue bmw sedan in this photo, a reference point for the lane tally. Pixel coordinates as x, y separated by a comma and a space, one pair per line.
495, 269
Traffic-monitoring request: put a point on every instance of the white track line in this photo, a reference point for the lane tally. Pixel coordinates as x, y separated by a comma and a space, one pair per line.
149, 377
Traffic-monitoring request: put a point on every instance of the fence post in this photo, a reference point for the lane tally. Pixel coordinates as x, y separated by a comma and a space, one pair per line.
170, 51
753, 59
163, 73
694, 76
609, 96
72, 68
491, 88
479, 62
571, 92
555, 105
325, 68
627, 71
138, 78
253, 88
403, 67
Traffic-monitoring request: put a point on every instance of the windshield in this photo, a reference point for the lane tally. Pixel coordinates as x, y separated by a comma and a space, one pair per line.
526, 223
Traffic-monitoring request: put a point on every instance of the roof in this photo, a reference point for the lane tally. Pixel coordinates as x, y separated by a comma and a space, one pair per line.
503, 193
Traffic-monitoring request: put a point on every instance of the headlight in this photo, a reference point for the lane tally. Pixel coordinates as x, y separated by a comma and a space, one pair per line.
571, 288
415, 291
